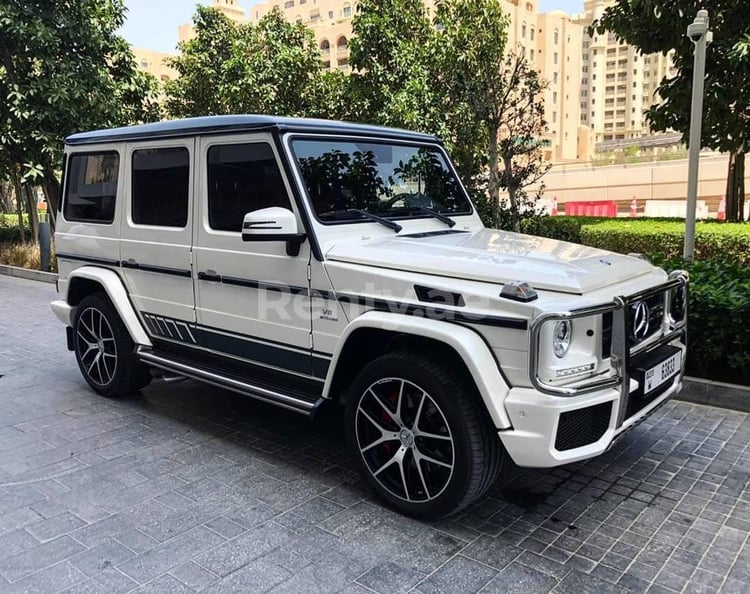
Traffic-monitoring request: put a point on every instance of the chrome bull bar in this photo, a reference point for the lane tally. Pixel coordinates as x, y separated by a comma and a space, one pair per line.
620, 353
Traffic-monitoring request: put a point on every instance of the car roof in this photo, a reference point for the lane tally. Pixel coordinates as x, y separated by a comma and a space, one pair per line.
227, 124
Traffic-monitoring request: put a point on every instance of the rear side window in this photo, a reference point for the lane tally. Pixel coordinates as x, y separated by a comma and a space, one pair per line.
242, 178
161, 180
91, 189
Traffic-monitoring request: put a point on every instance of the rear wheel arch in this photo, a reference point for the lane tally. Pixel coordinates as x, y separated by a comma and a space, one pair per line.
90, 280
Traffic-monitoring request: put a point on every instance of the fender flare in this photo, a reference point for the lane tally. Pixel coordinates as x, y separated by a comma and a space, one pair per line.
112, 285
469, 346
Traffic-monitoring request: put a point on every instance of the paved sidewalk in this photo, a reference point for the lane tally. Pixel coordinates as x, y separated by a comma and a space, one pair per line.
187, 488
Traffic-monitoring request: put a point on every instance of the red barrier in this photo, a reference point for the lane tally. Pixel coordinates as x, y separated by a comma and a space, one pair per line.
592, 208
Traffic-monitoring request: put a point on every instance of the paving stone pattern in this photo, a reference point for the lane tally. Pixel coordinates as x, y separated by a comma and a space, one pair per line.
187, 488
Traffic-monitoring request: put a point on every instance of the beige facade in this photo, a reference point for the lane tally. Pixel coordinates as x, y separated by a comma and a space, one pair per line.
618, 83
229, 8
558, 58
154, 63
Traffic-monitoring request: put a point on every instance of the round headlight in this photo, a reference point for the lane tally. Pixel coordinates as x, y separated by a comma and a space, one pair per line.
561, 338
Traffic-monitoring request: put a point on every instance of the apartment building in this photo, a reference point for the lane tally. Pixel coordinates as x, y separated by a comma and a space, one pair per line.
154, 63
618, 83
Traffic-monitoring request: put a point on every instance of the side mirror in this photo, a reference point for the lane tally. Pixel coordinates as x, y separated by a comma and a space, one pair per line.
273, 224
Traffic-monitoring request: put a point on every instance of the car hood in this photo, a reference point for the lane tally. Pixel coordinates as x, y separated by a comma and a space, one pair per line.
494, 256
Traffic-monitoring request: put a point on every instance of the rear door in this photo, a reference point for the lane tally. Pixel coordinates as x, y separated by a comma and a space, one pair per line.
156, 235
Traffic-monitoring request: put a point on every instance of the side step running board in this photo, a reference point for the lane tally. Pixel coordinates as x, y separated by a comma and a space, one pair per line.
236, 385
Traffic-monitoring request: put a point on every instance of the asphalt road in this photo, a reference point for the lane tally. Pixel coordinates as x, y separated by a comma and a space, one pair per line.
187, 488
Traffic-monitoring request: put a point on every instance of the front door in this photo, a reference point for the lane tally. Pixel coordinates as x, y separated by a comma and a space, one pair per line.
156, 235
252, 298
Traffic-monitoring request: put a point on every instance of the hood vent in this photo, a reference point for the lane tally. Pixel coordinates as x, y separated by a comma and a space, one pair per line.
438, 296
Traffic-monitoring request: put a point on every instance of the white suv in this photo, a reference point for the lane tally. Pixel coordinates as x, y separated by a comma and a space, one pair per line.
303, 261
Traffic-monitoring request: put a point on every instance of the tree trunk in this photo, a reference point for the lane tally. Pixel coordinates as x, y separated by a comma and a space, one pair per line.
33, 214
735, 192
52, 191
19, 203
493, 184
512, 188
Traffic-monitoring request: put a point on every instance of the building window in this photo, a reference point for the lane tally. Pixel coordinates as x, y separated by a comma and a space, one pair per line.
92, 187
289, 4
330, 15
315, 16
532, 33
554, 97
342, 43
554, 117
585, 69
144, 63
161, 187
347, 11
531, 55
325, 47
242, 178
523, 30
555, 58
555, 77
557, 37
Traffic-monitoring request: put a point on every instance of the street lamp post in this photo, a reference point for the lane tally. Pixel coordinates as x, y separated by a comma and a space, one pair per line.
699, 34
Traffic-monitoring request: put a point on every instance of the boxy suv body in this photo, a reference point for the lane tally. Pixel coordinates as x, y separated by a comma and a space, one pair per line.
304, 261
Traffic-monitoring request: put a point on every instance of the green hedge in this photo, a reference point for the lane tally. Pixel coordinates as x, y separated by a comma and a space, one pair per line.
661, 238
718, 320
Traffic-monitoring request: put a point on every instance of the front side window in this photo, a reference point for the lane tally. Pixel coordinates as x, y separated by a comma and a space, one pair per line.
390, 180
242, 178
91, 190
161, 186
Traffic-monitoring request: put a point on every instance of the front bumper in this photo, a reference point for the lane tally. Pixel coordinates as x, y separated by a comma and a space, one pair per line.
535, 440
554, 425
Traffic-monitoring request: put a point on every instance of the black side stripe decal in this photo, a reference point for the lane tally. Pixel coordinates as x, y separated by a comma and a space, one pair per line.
265, 285
90, 259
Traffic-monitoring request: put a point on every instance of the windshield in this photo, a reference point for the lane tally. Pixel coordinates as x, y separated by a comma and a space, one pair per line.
389, 180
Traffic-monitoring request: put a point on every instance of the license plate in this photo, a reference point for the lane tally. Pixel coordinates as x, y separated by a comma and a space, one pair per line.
663, 372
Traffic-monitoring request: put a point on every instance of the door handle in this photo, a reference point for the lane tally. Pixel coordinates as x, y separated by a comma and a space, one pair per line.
209, 276
130, 263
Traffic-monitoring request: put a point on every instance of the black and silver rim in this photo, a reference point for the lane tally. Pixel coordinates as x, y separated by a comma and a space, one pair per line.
404, 439
97, 347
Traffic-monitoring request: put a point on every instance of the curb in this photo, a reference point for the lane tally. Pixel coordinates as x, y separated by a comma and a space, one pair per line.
35, 275
711, 393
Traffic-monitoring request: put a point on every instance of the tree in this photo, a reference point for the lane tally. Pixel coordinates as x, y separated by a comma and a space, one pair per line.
63, 69
395, 81
522, 131
501, 94
659, 26
272, 67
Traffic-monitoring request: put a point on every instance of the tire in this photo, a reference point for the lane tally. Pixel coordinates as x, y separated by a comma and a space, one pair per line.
105, 353
419, 436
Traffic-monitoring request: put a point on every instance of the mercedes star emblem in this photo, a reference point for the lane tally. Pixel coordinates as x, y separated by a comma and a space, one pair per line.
640, 321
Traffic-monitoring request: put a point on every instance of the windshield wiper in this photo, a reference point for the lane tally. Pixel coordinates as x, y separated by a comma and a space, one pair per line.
433, 213
368, 215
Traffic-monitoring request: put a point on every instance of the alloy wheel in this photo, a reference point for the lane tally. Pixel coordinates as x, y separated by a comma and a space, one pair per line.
96, 346
405, 440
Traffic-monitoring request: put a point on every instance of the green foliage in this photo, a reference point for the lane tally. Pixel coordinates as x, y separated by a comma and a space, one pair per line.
273, 67
726, 125
718, 318
9, 231
63, 69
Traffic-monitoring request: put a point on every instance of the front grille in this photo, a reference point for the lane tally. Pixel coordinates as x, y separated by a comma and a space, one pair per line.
582, 427
655, 305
